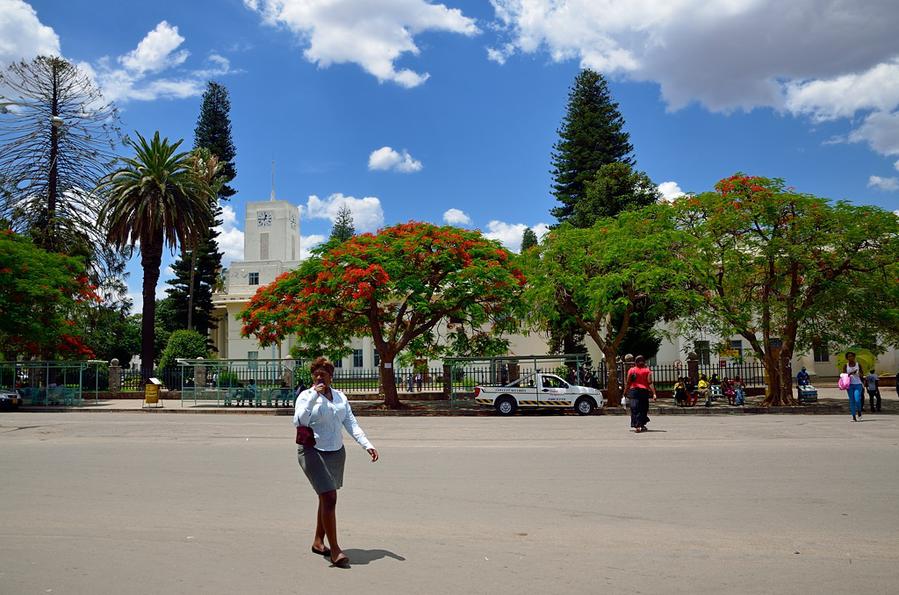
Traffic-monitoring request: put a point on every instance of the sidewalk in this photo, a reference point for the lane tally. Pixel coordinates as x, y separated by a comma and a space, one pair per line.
831, 401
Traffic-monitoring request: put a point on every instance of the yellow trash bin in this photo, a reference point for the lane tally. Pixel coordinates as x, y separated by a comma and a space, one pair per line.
151, 393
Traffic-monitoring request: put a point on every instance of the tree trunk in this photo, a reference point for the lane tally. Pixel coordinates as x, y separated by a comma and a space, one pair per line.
388, 383
613, 394
190, 290
50, 235
150, 260
778, 389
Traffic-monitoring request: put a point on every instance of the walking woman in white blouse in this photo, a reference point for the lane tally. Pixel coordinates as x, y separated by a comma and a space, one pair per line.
325, 410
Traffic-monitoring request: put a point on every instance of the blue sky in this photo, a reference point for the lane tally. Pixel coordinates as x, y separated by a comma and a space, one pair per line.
415, 109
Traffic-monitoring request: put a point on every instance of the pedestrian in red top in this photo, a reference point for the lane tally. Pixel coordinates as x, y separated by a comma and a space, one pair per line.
639, 388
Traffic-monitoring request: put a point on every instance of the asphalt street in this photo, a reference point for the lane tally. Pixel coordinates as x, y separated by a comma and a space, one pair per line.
125, 503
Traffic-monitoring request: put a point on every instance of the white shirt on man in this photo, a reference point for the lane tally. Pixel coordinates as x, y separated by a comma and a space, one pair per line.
326, 418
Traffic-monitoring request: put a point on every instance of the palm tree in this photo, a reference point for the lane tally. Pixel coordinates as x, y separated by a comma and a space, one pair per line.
156, 198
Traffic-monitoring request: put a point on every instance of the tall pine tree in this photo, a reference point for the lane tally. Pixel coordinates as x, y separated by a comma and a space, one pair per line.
528, 239
343, 228
198, 266
591, 136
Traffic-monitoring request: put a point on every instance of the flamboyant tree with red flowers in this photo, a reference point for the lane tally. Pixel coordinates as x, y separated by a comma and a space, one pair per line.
394, 286
41, 294
787, 270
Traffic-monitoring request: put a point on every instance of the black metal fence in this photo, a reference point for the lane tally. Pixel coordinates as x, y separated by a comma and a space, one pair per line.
271, 373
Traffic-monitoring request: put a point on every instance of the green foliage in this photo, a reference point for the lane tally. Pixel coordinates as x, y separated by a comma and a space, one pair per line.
395, 286
213, 132
40, 294
528, 239
598, 277
49, 167
158, 197
226, 378
183, 344
343, 228
196, 270
592, 135
614, 188
774, 264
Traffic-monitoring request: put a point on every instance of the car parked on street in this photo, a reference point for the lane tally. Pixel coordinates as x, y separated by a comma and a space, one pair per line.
540, 391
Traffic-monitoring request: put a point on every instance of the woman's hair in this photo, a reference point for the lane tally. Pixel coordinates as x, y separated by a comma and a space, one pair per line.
848, 353
322, 362
639, 360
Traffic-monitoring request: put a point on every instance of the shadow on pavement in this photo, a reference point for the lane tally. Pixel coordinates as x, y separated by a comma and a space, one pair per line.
360, 557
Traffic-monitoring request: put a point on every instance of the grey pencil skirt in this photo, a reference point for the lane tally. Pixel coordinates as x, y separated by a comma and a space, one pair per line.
323, 468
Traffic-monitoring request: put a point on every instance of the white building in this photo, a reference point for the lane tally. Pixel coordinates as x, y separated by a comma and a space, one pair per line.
272, 247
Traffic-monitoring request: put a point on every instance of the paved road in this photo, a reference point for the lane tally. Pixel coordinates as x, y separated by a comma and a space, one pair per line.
120, 503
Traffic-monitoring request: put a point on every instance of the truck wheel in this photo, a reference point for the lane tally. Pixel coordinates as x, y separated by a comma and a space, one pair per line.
505, 405
584, 405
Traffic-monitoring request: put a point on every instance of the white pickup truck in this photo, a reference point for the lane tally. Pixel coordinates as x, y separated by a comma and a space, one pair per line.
540, 391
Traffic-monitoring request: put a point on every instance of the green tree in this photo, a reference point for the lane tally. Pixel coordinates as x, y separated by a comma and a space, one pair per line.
785, 270
186, 344
592, 135
343, 228
599, 276
157, 198
614, 188
40, 294
56, 142
528, 239
197, 267
395, 286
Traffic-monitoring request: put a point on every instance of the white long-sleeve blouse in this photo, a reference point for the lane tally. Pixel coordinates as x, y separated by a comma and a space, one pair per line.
326, 418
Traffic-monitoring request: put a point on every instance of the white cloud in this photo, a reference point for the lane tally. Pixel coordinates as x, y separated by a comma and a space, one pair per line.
845, 95
887, 184
896, 165
307, 243
156, 51
881, 131
367, 212
814, 58
671, 191
230, 238
373, 34
22, 35
456, 217
510, 234
386, 159
727, 55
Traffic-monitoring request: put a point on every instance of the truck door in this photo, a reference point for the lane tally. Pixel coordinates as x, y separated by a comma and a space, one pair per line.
552, 391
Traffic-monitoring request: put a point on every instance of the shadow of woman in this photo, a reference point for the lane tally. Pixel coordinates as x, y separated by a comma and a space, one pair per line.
359, 557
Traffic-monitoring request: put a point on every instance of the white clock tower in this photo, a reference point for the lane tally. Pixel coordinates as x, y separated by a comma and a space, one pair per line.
272, 231
271, 247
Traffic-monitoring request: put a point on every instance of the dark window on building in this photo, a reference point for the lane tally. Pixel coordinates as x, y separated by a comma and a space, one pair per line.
357, 358
821, 353
737, 346
253, 278
704, 352
376, 358
338, 363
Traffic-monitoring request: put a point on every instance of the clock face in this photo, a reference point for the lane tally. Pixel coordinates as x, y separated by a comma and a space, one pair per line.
293, 220
264, 218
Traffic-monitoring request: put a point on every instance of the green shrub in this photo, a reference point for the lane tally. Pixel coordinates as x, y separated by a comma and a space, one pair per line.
183, 344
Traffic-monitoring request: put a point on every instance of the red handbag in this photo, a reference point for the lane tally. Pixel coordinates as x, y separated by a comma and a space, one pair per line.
305, 436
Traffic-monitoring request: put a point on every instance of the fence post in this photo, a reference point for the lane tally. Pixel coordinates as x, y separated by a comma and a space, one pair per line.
115, 376
693, 368
447, 381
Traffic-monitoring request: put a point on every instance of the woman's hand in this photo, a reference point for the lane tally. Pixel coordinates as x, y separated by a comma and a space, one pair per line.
374, 454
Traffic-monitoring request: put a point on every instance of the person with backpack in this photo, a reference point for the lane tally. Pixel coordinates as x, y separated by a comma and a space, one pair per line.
853, 370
